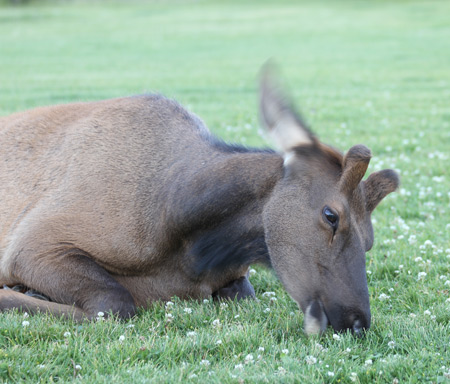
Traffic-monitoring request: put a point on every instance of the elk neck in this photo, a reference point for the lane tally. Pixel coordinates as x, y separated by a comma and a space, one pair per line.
217, 210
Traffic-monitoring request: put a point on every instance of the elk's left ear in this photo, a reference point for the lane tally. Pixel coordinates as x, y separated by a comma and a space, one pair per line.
278, 115
378, 186
354, 167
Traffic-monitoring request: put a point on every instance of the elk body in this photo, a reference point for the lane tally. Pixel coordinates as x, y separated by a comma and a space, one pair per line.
108, 206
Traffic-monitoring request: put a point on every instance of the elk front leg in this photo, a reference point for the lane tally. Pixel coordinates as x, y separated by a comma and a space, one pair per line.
76, 284
10, 299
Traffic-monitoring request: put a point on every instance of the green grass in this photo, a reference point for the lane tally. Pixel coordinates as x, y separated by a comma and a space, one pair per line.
363, 72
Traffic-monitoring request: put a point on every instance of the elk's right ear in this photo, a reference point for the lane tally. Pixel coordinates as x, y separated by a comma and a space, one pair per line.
278, 115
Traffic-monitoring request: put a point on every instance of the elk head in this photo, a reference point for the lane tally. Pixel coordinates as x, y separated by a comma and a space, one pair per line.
317, 221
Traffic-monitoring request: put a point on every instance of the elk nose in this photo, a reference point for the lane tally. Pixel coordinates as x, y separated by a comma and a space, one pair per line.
358, 328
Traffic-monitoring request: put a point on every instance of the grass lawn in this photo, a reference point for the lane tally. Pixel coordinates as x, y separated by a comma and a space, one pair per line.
372, 72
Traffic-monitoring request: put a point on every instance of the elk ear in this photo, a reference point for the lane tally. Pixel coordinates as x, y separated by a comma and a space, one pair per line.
354, 167
278, 115
378, 185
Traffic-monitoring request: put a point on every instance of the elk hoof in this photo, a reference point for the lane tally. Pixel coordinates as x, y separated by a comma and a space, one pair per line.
238, 289
27, 291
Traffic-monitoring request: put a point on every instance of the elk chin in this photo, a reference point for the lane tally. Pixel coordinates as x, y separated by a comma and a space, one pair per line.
316, 321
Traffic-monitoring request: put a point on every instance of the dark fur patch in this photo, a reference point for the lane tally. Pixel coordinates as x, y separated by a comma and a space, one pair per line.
221, 249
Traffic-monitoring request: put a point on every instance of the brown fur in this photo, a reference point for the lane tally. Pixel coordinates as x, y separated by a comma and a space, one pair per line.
110, 205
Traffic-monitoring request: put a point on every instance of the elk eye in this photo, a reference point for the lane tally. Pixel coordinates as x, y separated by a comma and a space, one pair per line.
331, 217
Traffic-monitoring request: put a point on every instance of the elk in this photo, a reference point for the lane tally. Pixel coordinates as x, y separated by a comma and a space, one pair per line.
109, 206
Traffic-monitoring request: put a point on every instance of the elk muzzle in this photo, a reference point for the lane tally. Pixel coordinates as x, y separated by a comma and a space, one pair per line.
340, 318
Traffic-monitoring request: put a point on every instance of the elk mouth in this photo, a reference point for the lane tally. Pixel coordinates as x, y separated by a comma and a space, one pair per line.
316, 320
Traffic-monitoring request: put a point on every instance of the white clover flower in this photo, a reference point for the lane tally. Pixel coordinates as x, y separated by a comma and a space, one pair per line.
169, 305
281, 371
78, 367
448, 300
353, 376
421, 275
191, 334
66, 334
336, 337
261, 349
187, 310
130, 326
433, 317
205, 301
25, 315
368, 362
447, 282
285, 351
418, 259
121, 338
268, 294
267, 310
319, 346
25, 323
248, 359
216, 323
412, 315
252, 272
206, 363
391, 344
101, 314
310, 360
219, 342
348, 350
383, 297
239, 366
223, 305
169, 317
428, 243
330, 374
427, 313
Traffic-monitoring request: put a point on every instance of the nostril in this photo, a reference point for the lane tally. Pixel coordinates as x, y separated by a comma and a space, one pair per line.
358, 327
